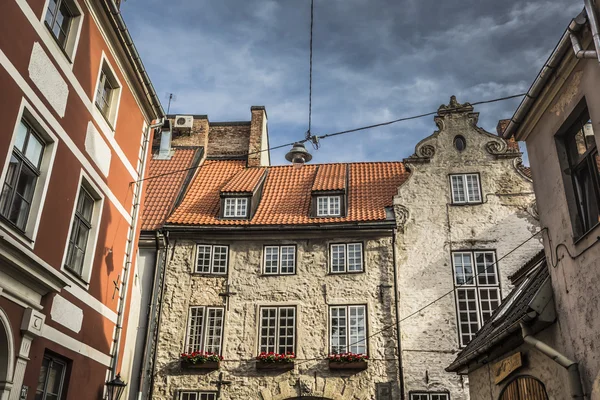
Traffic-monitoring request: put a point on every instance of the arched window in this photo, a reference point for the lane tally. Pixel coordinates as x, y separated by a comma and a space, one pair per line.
460, 143
524, 388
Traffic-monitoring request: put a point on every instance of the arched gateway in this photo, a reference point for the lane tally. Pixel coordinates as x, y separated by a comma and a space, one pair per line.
7, 355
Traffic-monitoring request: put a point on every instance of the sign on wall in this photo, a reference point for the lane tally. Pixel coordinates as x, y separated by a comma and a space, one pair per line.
505, 367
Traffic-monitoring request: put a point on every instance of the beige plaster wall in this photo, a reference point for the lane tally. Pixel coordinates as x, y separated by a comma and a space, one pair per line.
311, 290
430, 228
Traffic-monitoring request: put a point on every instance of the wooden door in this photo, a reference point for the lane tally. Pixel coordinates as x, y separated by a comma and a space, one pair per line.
524, 388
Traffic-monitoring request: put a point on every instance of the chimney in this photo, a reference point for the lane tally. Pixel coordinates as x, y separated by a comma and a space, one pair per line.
511, 143
259, 138
164, 152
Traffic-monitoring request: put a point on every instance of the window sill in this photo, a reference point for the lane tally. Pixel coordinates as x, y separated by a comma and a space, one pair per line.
269, 275
346, 272
19, 234
274, 366
466, 204
209, 275
582, 237
76, 278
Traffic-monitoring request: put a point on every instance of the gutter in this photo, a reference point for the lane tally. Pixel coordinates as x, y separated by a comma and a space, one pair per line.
571, 366
310, 228
125, 38
398, 333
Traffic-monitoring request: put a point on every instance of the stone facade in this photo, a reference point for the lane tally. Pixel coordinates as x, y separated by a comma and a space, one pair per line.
431, 227
312, 289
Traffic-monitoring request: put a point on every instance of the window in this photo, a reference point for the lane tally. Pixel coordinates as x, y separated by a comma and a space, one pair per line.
107, 94
278, 330
346, 257
197, 396
460, 143
51, 381
429, 396
583, 164
62, 20
204, 330
329, 206
211, 259
477, 293
22, 175
348, 328
80, 232
280, 260
465, 189
236, 207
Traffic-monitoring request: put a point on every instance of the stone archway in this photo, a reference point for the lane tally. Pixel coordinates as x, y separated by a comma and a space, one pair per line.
7, 356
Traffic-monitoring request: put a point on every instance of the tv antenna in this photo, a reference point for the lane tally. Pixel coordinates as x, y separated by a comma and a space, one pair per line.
172, 98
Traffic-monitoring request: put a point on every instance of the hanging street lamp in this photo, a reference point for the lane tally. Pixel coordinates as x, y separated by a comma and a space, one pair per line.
115, 388
298, 155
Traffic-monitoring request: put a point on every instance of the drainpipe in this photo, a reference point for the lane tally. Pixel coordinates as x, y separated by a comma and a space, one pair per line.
591, 14
574, 27
571, 366
398, 335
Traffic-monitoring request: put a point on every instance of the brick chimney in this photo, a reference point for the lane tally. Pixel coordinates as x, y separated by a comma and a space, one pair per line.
500, 128
259, 139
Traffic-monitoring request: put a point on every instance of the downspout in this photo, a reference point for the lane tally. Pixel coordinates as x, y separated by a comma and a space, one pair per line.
160, 304
591, 14
574, 27
398, 334
571, 366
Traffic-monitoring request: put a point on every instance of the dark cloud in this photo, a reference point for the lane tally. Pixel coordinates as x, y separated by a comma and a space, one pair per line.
374, 60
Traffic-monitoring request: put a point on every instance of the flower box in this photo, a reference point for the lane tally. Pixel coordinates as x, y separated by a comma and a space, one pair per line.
348, 365
275, 366
208, 365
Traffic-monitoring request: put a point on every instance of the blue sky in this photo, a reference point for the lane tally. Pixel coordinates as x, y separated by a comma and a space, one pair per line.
374, 60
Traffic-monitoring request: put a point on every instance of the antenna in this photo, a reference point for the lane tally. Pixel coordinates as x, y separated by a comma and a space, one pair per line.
172, 98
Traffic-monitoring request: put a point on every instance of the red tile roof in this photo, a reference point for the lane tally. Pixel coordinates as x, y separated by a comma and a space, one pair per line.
245, 181
287, 192
162, 192
330, 177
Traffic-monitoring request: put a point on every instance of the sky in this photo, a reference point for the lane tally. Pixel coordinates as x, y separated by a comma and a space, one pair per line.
373, 61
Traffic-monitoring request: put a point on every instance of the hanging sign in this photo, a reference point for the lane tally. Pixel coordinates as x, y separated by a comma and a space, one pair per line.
505, 367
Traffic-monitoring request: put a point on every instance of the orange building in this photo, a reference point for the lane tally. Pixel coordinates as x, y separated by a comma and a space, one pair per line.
77, 108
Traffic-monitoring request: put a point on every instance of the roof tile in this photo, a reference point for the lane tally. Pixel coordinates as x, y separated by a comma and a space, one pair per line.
330, 177
244, 181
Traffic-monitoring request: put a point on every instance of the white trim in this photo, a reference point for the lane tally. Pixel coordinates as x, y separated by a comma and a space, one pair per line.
65, 67
234, 203
277, 309
329, 206
465, 186
83, 295
42, 109
4, 321
92, 241
113, 111
75, 345
349, 341
72, 48
47, 163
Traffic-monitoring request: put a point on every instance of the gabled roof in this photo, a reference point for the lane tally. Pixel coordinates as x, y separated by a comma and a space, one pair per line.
287, 192
163, 191
506, 317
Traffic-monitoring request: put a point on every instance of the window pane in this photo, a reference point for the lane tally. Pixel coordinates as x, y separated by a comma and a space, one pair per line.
584, 178
468, 314
34, 150
321, 206
486, 269
334, 205
338, 338
458, 189
214, 330
286, 330
219, 259
338, 258
203, 259
271, 259
195, 328
463, 268
288, 259
473, 192
22, 130
229, 208
10, 184
355, 257
241, 207
357, 329
268, 322
85, 206
489, 299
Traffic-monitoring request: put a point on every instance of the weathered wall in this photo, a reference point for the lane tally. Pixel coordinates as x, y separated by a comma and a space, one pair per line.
575, 281
430, 228
535, 364
312, 289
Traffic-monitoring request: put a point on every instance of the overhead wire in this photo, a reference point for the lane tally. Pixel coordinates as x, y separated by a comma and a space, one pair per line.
328, 135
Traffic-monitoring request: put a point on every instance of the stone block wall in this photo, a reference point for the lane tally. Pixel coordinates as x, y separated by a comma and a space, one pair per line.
312, 289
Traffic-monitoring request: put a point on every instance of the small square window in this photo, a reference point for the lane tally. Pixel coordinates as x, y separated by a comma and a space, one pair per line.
235, 207
465, 189
329, 206
346, 257
211, 259
279, 260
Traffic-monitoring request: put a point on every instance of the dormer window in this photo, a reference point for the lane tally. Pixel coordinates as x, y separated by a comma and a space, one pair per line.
329, 206
235, 207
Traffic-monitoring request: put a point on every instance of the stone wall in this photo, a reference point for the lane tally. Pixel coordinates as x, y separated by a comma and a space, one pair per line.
430, 228
312, 289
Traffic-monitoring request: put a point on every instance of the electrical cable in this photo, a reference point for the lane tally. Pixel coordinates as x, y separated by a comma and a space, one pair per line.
316, 139
312, 8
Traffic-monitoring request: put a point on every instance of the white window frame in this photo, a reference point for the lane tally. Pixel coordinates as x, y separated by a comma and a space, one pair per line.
475, 287
88, 262
196, 395
347, 266
350, 341
275, 266
73, 37
330, 208
473, 197
213, 268
429, 396
235, 202
27, 112
109, 121
277, 326
204, 328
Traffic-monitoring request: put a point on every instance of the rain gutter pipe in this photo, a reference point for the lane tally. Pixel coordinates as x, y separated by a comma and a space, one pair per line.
398, 333
571, 366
